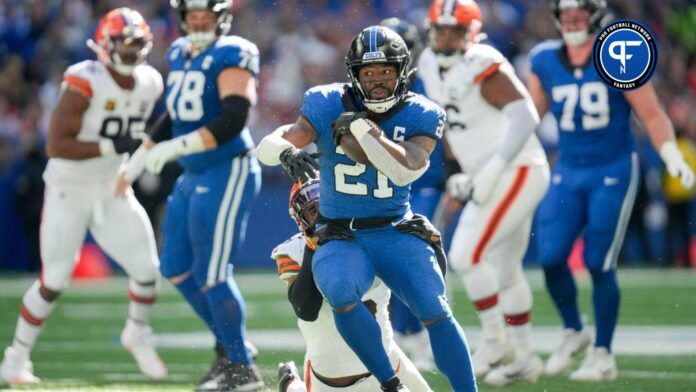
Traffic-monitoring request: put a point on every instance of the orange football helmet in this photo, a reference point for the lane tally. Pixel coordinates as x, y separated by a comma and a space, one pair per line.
463, 15
304, 206
123, 40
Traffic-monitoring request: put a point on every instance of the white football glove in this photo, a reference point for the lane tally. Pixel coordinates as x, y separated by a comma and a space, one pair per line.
676, 166
135, 165
487, 178
167, 151
459, 186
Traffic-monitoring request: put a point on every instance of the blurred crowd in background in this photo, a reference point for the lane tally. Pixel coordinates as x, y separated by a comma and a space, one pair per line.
302, 44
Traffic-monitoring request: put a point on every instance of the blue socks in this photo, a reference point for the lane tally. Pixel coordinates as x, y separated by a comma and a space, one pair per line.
561, 286
605, 298
228, 311
452, 354
362, 333
195, 297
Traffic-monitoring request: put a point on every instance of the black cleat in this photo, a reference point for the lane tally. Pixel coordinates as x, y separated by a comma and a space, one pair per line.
394, 385
235, 377
287, 375
216, 367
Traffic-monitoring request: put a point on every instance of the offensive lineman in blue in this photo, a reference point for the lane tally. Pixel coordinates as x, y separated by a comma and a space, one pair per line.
593, 185
360, 204
210, 88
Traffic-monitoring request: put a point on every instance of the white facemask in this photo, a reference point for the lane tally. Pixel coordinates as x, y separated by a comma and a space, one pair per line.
202, 39
448, 61
575, 38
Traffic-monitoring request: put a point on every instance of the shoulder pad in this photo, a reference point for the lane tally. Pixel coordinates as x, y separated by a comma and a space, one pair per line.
482, 61
292, 248
82, 76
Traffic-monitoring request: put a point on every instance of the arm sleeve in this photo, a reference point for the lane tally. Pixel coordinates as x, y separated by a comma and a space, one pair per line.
232, 119
303, 293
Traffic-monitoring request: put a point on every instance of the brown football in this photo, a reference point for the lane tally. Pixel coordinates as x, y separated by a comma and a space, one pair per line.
352, 148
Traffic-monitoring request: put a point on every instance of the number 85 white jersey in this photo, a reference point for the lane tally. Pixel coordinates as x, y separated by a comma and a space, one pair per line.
476, 128
112, 113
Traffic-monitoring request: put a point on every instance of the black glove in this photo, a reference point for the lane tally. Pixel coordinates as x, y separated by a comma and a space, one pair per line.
421, 227
329, 232
126, 143
342, 124
299, 164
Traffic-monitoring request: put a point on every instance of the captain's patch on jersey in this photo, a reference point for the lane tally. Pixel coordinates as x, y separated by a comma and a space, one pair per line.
625, 54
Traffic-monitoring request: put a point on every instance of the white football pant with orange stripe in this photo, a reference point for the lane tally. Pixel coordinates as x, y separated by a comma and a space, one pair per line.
487, 250
406, 371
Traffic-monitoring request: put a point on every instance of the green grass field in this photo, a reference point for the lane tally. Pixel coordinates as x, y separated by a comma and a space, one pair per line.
79, 348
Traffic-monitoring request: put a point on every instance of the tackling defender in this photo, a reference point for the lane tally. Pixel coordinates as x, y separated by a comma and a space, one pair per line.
377, 121
329, 362
102, 108
594, 183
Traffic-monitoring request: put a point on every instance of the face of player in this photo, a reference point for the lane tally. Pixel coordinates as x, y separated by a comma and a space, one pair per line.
129, 50
574, 19
378, 81
448, 39
200, 21
310, 215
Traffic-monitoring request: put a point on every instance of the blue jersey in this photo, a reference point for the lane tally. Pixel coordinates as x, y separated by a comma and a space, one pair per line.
593, 119
350, 189
435, 176
192, 95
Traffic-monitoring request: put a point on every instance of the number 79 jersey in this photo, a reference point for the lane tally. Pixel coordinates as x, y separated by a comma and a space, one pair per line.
353, 190
113, 112
192, 95
593, 119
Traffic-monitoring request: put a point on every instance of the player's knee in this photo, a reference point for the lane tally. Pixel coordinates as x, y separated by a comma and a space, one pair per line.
510, 277
177, 279
339, 293
143, 291
431, 312
48, 294
346, 309
549, 255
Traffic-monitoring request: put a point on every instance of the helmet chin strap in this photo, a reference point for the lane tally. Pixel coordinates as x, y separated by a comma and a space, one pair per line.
575, 38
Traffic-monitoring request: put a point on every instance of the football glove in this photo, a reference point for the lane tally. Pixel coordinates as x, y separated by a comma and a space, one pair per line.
487, 178
675, 164
342, 124
299, 164
460, 186
170, 150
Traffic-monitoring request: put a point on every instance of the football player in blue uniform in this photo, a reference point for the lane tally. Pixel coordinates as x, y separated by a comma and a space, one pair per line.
210, 88
594, 182
426, 193
377, 121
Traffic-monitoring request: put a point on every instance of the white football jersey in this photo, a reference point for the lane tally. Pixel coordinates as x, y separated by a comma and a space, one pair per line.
476, 128
329, 354
112, 111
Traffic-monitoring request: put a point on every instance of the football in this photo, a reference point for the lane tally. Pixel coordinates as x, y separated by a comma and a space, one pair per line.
353, 150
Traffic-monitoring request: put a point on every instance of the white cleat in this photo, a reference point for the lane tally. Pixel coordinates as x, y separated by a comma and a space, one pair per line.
490, 355
598, 365
136, 338
528, 368
573, 343
17, 369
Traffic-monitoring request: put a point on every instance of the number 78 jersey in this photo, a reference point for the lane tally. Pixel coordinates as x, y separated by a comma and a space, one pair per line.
192, 95
593, 119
